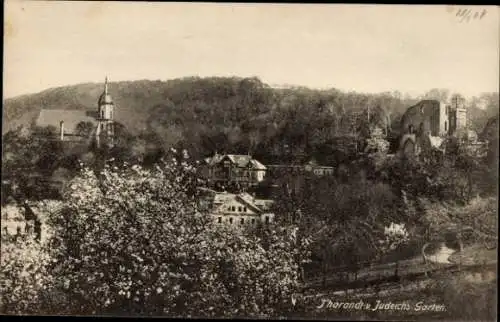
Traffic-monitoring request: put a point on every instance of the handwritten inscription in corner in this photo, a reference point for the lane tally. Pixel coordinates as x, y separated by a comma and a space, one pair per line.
466, 14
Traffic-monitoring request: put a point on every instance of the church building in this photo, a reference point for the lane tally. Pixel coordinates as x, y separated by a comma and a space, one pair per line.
82, 125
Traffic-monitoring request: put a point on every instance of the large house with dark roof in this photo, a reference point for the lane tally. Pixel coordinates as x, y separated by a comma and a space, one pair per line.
82, 125
233, 169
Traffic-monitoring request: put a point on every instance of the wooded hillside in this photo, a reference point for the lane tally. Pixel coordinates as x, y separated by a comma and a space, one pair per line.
241, 115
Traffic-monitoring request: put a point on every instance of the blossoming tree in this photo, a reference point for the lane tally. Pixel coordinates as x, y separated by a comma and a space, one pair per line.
132, 242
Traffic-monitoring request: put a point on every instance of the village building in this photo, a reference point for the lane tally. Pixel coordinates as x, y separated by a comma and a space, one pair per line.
241, 209
311, 167
318, 170
82, 125
23, 220
226, 170
428, 123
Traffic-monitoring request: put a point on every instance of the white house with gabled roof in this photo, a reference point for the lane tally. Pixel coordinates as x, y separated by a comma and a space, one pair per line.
239, 209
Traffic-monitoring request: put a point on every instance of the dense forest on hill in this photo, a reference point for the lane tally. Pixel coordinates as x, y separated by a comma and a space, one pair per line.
239, 115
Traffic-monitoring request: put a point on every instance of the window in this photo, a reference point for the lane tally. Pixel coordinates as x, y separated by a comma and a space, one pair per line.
242, 221
229, 208
233, 208
219, 219
445, 125
253, 221
239, 209
244, 209
267, 219
231, 220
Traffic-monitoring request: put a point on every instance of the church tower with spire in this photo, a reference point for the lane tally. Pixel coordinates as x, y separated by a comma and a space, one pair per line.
78, 126
105, 111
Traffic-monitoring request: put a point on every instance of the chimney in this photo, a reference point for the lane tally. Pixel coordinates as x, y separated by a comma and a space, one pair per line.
61, 130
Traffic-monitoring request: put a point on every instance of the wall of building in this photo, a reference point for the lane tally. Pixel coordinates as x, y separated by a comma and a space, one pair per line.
14, 221
233, 173
407, 145
419, 116
458, 120
236, 213
428, 116
323, 171
267, 217
239, 208
461, 119
106, 111
242, 219
259, 175
443, 120
236, 219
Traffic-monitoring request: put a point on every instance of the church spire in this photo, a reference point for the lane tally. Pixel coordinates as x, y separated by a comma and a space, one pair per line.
105, 102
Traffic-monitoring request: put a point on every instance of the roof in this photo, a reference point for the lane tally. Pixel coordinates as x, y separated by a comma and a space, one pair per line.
242, 160
257, 165
223, 197
246, 197
207, 190
105, 99
215, 159
250, 201
264, 204
257, 204
71, 118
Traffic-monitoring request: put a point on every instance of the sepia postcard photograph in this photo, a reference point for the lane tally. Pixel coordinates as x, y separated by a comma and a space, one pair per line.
250, 160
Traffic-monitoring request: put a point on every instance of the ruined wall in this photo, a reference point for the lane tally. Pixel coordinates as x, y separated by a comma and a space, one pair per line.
461, 119
443, 122
428, 116
458, 121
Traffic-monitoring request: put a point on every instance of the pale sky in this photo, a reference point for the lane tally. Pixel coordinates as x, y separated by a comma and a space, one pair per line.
368, 48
